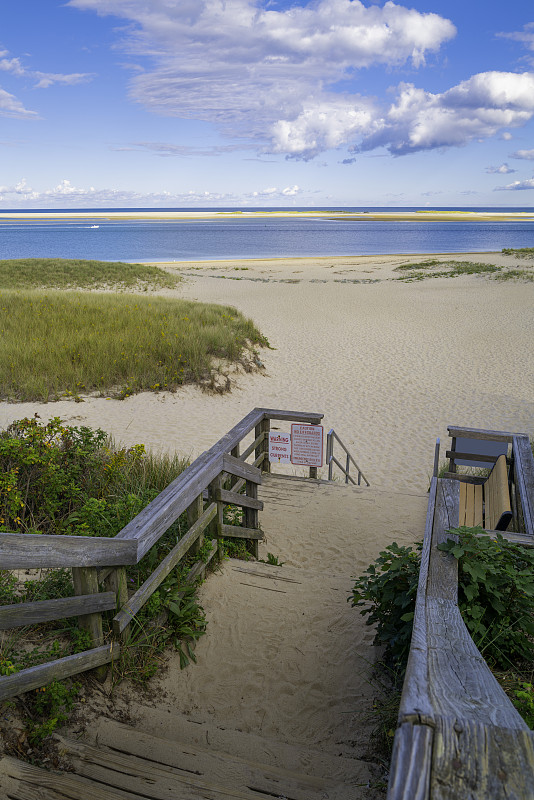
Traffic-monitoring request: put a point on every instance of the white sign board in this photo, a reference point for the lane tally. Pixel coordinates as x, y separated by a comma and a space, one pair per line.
307, 445
279, 447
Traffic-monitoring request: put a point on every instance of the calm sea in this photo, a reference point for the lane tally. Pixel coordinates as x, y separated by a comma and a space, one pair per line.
249, 237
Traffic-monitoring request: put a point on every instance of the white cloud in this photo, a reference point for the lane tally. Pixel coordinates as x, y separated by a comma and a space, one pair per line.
474, 109
516, 186
528, 155
526, 36
264, 74
43, 79
10, 106
22, 195
504, 169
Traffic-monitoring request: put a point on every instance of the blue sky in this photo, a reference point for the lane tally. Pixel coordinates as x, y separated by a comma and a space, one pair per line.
205, 103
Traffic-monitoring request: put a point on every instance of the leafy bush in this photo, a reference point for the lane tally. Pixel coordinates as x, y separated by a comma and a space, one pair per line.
387, 593
495, 596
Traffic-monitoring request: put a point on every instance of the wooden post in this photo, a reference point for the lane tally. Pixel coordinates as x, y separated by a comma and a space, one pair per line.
251, 517
85, 580
194, 511
264, 427
452, 464
116, 582
216, 526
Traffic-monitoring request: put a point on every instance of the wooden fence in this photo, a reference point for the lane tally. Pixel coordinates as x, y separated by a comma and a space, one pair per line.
220, 476
458, 734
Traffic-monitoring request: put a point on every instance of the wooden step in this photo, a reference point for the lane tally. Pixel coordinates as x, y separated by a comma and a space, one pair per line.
134, 761
179, 731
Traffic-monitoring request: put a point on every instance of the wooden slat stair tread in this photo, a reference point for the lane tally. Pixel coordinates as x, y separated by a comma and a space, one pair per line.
177, 729
131, 760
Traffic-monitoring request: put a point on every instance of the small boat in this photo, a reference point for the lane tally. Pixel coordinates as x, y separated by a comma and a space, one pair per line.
94, 226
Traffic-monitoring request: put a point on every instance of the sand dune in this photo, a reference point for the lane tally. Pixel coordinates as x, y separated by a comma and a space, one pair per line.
390, 364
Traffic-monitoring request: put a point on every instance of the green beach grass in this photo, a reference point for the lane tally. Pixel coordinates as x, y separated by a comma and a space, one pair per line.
63, 273
61, 343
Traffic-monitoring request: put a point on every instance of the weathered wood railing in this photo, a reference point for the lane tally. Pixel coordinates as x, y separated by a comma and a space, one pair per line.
99, 561
458, 734
331, 460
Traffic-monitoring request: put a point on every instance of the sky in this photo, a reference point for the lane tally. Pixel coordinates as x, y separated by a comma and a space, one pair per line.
253, 103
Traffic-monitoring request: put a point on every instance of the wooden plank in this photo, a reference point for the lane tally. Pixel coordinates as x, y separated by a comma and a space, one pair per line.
480, 433
19, 614
23, 781
461, 478
34, 677
233, 498
524, 469
258, 462
469, 510
154, 520
156, 781
479, 762
461, 683
409, 774
85, 580
238, 532
240, 469
33, 550
478, 518
255, 445
137, 601
292, 416
415, 701
443, 567
455, 454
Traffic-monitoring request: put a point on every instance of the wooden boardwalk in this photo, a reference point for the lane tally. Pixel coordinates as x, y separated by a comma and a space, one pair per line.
300, 668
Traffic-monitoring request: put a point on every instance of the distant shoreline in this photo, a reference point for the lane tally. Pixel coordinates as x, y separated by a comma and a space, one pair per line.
193, 216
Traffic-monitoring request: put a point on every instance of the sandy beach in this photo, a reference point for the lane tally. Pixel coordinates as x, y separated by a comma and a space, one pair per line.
389, 363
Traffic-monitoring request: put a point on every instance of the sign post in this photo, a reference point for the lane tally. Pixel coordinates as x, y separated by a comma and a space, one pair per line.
279, 447
307, 445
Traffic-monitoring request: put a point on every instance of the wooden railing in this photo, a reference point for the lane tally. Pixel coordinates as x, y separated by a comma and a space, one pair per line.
331, 438
99, 562
458, 734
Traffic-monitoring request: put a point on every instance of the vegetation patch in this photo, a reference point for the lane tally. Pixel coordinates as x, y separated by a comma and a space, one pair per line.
495, 598
58, 344
515, 275
519, 252
59, 479
450, 269
64, 273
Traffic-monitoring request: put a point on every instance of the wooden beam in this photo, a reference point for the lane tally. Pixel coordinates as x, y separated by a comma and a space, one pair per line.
411, 761
455, 455
240, 469
235, 499
137, 601
524, 471
238, 532
33, 550
19, 614
479, 433
34, 677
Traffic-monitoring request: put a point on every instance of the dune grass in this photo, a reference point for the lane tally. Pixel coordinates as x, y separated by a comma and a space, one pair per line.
71, 343
519, 252
63, 273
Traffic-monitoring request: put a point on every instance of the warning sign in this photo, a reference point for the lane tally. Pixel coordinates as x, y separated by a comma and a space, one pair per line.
279, 447
307, 445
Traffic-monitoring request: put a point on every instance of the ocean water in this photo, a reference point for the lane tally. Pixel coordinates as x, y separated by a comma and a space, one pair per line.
249, 237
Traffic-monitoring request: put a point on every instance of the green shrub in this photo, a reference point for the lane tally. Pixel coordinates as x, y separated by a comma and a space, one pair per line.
495, 596
387, 592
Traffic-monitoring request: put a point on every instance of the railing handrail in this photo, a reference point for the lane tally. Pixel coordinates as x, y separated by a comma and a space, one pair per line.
331, 459
458, 733
84, 554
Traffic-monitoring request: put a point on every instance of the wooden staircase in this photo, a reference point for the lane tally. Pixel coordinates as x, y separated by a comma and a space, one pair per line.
128, 764
325, 533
